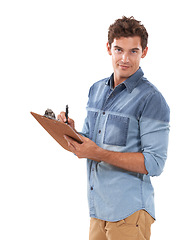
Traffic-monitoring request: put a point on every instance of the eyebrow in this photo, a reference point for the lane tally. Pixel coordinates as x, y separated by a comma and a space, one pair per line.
136, 49
133, 49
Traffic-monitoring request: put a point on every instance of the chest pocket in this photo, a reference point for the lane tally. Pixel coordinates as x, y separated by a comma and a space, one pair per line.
116, 130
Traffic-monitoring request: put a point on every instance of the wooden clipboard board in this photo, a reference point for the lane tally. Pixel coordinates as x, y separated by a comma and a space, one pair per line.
57, 130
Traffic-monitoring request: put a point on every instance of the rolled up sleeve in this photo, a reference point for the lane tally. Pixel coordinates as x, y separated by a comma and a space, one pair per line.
85, 129
154, 133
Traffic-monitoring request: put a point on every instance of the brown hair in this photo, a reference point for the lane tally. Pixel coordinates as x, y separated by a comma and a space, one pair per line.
127, 27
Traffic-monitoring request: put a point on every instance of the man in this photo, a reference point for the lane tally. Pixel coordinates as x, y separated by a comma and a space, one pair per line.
125, 138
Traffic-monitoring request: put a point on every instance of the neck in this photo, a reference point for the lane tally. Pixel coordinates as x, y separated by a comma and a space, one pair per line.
118, 80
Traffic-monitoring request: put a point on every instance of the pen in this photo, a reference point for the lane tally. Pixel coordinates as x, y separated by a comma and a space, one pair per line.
66, 114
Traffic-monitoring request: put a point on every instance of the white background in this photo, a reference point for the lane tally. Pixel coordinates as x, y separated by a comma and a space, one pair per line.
51, 52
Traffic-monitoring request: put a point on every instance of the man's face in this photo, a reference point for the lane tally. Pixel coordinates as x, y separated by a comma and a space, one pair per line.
126, 55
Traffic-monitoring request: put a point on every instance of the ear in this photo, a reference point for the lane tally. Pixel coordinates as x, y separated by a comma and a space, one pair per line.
144, 52
108, 49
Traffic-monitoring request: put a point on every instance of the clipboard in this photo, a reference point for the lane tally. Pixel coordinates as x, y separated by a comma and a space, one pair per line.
57, 130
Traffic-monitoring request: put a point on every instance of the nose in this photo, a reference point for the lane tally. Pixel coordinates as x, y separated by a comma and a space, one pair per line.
125, 58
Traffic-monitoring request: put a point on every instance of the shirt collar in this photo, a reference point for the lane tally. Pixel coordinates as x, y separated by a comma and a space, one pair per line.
130, 83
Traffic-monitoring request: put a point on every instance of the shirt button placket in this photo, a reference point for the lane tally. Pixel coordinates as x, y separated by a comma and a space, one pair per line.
92, 210
99, 131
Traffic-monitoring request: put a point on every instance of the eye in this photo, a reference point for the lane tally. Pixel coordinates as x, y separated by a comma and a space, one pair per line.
133, 51
118, 50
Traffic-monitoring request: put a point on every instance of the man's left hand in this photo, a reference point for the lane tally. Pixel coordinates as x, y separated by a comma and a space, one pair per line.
87, 149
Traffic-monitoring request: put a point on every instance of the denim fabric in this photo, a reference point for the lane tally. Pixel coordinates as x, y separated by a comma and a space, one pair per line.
133, 117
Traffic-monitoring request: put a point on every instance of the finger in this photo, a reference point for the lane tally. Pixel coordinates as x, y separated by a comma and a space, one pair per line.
70, 121
70, 142
71, 147
82, 137
62, 117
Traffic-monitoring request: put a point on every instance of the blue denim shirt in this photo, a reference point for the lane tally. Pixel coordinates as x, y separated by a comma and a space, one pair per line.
133, 117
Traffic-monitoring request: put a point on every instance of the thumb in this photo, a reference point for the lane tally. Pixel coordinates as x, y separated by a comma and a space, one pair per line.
84, 139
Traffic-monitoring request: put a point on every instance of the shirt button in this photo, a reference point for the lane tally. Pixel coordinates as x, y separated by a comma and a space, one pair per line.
99, 131
103, 113
91, 188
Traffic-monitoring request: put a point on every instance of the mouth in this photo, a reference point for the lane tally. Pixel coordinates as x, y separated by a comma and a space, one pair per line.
124, 67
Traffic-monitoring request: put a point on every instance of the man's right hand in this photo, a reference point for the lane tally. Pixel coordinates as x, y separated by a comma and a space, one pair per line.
62, 118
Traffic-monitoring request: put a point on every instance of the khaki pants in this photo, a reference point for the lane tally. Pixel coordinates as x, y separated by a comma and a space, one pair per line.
135, 227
